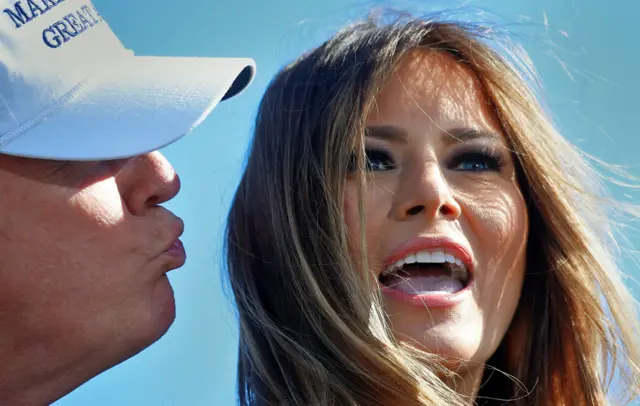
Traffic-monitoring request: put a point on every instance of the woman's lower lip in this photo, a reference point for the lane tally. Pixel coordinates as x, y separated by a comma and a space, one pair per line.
431, 300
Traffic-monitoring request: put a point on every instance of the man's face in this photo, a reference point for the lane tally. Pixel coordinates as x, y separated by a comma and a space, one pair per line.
85, 248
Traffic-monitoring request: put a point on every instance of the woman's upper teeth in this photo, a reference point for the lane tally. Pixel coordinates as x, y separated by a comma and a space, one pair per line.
433, 256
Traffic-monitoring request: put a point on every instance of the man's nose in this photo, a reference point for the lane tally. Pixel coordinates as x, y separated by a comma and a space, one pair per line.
147, 181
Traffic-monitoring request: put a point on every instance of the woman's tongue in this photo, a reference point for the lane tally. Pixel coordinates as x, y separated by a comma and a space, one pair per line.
421, 279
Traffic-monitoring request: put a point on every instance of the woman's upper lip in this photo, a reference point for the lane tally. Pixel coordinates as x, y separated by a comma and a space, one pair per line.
421, 243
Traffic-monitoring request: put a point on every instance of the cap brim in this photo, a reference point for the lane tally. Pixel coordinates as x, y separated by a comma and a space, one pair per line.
138, 105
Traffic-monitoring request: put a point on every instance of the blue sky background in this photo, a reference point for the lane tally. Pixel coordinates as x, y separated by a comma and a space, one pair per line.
585, 52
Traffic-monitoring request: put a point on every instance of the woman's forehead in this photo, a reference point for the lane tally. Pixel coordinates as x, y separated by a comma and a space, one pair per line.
434, 84
435, 69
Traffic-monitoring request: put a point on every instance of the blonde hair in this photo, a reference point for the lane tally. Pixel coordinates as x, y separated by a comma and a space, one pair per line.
310, 331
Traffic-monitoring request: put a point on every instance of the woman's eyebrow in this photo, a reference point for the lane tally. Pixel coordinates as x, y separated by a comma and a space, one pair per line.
399, 135
464, 134
394, 134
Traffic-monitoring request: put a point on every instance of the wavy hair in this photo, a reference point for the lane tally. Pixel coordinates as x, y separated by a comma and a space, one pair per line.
311, 332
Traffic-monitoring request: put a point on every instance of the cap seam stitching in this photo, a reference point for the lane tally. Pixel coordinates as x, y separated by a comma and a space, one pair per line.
8, 137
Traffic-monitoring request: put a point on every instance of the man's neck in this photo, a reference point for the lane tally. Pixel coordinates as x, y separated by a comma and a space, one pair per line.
33, 375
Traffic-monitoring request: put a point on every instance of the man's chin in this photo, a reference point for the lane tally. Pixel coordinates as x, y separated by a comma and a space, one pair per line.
147, 323
163, 307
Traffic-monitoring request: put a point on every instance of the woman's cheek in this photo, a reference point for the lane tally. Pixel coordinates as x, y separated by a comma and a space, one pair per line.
497, 214
499, 223
376, 206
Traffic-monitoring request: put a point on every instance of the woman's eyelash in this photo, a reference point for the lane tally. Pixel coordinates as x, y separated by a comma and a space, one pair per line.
471, 159
478, 159
376, 159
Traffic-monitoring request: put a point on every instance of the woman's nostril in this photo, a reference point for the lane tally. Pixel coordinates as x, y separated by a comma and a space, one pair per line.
415, 210
446, 210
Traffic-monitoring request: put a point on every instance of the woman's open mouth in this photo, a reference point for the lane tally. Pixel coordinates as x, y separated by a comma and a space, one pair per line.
433, 272
428, 276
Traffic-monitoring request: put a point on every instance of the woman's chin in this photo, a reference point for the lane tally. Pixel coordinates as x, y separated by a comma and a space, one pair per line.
457, 341
452, 352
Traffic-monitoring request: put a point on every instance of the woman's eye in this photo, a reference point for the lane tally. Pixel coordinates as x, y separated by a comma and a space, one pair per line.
379, 160
476, 162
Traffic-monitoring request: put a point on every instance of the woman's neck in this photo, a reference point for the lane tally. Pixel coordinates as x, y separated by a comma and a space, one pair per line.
467, 382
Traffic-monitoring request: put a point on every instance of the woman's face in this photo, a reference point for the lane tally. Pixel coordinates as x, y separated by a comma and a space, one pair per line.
446, 222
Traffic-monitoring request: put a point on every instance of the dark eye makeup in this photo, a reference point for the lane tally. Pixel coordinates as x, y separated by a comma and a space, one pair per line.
481, 158
376, 160
471, 158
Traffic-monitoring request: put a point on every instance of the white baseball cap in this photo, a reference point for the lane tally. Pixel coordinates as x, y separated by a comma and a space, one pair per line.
69, 90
